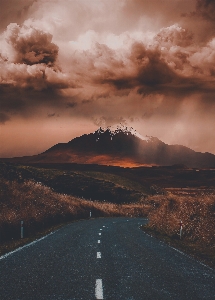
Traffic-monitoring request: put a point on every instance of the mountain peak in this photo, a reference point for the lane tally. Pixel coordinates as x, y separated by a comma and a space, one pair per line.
120, 145
121, 128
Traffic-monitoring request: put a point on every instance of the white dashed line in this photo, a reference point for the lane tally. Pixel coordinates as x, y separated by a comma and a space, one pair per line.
103, 226
99, 289
99, 233
99, 241
99, 255
101, 229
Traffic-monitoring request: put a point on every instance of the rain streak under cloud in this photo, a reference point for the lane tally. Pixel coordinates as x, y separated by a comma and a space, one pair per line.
69, 66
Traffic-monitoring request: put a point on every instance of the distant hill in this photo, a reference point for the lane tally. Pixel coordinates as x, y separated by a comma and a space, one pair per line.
120, 146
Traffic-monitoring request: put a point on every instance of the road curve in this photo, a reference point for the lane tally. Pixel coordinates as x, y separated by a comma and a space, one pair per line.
106, 258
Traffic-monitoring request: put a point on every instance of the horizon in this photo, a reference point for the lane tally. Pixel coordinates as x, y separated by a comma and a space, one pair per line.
70, 67
112, 130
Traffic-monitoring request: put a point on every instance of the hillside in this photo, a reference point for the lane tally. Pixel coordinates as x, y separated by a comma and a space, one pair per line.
42, 199
51, 195
89, 185
120, 146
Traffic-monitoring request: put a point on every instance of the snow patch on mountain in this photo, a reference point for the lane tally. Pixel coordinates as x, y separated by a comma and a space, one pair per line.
120, 128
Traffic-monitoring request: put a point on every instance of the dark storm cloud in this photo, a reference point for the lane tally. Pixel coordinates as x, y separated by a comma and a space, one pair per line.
171, 64
147, 68
51, 115
206, 9
28, 59
32, 46
108, 61
151, 68
47, 73
16, 101
71, 104
4, 118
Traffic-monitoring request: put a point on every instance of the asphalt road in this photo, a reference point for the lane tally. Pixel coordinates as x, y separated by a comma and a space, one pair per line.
103, 258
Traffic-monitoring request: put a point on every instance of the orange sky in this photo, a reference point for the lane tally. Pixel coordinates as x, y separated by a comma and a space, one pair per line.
69, 66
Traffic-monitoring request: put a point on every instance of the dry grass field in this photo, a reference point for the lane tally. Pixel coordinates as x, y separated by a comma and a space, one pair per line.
46, 198
196, 209
41, 208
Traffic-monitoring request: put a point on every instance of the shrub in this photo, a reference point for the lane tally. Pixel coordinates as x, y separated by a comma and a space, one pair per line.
197, 214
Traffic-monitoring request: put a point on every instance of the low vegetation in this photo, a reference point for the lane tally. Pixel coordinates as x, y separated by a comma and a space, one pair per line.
89, 185
46, 198
40, 207
197, 213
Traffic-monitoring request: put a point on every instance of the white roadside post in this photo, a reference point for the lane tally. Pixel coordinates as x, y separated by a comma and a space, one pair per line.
90, 214
181, 227
22, 229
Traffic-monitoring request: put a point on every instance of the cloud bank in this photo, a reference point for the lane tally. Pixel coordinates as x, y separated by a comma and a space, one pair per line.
110, 61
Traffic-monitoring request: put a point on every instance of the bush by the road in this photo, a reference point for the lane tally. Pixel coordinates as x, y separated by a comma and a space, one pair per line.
197, 214
40, 208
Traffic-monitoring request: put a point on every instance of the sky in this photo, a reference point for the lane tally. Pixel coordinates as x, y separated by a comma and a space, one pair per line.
68, 67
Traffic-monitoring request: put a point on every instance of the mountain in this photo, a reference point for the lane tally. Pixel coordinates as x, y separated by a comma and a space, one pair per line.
121, 146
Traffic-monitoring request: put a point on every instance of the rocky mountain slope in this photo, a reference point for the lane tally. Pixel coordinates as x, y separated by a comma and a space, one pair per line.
121, 146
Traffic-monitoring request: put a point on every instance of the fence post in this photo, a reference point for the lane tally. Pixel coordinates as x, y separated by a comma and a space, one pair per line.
181, 227
22, 233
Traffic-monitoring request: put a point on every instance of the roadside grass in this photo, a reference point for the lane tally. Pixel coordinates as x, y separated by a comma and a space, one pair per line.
199, 252
39, 207
10, 245
42, 209
118, 180
198, 216
46, 199
89, 185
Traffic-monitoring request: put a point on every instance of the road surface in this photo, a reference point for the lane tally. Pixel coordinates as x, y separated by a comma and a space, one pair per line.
106, 258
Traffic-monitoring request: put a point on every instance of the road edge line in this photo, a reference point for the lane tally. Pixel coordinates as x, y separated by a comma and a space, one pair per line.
26, 246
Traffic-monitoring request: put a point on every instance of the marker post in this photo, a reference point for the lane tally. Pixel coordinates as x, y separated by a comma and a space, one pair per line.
22, 233
181, 227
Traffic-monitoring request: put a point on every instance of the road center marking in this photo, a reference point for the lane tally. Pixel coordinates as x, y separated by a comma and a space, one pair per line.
103, 226
99, 289
99, 241
99, 255
101, 229
99, 233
